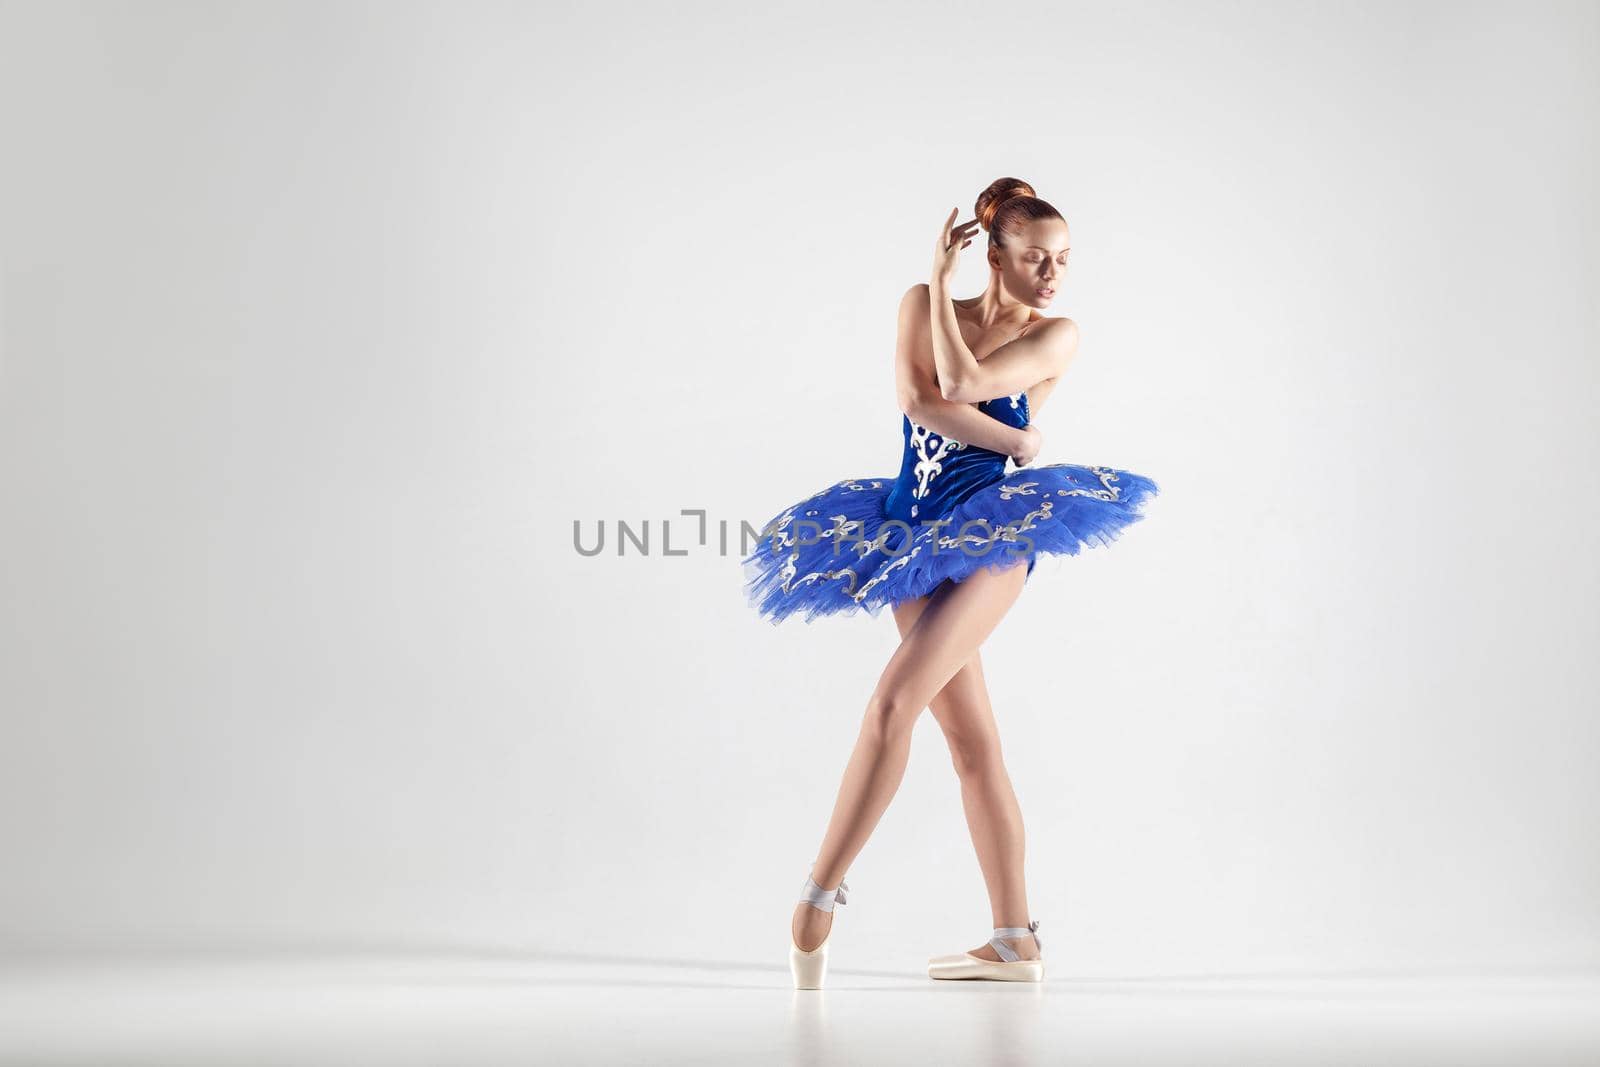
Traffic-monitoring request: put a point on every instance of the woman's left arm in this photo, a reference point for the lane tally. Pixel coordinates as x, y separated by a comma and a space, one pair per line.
1042, 353
1014, 366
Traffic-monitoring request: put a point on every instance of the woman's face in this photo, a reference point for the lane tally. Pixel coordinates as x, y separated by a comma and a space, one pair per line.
1033, 265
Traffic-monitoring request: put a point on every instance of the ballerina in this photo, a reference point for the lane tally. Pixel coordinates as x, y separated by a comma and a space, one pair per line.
948, 545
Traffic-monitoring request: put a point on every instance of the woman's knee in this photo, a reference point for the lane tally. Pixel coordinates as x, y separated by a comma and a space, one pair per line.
890, 715
975, 755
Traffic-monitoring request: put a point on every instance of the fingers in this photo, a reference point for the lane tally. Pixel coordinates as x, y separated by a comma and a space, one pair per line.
962, 234
952, 232
952, 240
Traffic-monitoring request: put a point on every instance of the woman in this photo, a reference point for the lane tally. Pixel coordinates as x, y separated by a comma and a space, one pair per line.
943, 544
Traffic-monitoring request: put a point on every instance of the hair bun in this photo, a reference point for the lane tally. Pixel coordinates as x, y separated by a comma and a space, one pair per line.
999, 191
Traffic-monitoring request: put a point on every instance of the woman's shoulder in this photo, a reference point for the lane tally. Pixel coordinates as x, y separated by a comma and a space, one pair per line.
921, 295
1058, 323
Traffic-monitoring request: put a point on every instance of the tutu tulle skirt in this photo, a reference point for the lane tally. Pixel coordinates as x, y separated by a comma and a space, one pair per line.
839, 551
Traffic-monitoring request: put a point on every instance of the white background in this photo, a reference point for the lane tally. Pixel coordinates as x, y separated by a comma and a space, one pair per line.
322, 324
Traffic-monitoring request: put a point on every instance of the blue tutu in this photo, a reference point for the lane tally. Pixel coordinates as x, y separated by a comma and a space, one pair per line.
863, 543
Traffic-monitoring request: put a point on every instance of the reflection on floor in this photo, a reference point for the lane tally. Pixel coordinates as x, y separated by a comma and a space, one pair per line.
461, 1009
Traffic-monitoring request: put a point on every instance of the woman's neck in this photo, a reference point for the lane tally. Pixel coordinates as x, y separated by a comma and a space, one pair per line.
992, 308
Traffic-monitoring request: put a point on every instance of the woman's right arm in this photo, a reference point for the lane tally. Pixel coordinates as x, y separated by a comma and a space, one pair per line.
917, 388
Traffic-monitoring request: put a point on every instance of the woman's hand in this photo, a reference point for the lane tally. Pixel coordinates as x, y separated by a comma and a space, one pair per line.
1032, 441
947, 250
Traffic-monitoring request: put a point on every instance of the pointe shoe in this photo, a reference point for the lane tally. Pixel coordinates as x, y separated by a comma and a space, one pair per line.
1010, 968
809, 968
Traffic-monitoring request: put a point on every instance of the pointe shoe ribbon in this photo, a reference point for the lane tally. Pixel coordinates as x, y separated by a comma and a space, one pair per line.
1010, 968
1004, 951
823, 899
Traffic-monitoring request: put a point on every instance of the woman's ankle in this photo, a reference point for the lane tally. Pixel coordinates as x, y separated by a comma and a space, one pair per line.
1026, 948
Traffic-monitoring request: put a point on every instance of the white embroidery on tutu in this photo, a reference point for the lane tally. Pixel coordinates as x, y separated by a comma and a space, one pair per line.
783, 537
1108, 492
1008, 532
843, 527
929, 464
878, 543
885, 572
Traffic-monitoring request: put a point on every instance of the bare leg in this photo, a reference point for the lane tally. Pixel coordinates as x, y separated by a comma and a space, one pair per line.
994, 818
955, 621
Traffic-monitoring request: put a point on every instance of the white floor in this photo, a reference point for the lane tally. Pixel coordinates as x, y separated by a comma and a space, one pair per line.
467, 1009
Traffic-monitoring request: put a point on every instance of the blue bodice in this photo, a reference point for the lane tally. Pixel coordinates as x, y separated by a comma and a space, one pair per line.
939, 472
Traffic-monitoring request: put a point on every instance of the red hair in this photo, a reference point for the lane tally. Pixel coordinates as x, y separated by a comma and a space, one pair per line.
1007, 205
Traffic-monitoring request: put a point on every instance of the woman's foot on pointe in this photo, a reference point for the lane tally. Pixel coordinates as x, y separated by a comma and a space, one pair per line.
808, 933
810, 926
